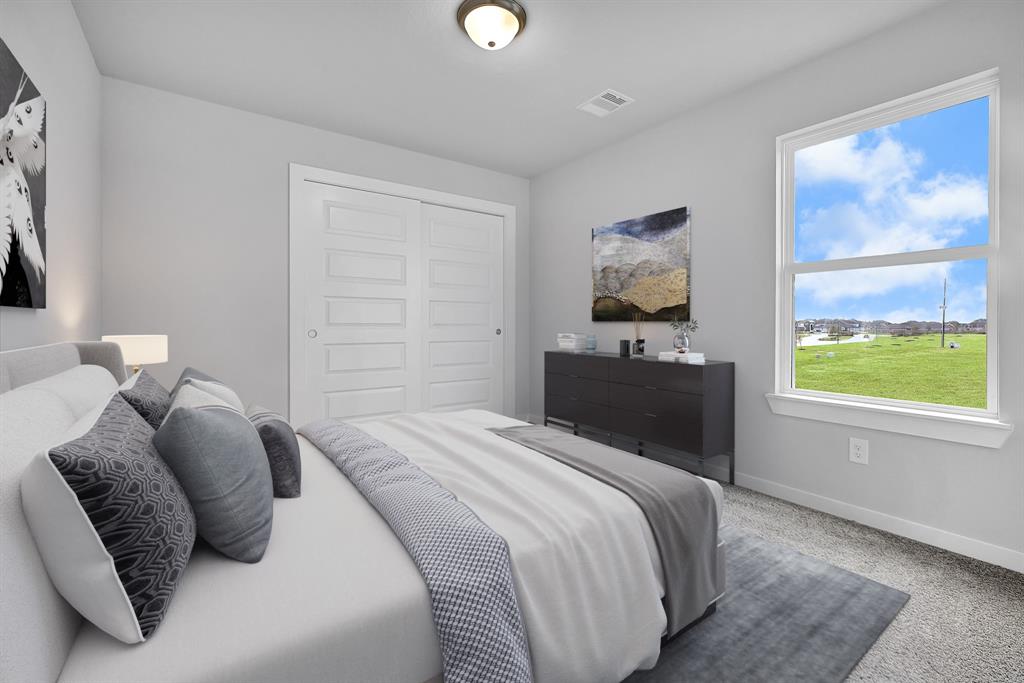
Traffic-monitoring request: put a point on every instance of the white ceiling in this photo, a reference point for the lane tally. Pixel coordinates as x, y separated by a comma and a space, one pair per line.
401, 72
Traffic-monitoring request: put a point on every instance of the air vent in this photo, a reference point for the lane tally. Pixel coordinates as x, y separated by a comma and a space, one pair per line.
605, 103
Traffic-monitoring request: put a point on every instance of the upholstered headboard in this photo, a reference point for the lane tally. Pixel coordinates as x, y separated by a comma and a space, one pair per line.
43, 390
24, 366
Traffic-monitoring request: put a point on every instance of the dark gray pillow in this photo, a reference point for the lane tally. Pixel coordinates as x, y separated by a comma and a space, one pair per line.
282, 450
135, 504
219, 459
148, 398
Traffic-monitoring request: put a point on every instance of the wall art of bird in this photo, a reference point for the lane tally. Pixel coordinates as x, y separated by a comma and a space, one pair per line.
22, 150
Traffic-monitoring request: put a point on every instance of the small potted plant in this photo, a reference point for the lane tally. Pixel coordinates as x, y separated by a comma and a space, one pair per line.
683, 329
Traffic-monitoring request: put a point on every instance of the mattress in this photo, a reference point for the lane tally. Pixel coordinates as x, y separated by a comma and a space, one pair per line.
335, 598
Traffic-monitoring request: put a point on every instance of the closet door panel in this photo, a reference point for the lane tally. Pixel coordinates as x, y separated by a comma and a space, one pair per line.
462, 314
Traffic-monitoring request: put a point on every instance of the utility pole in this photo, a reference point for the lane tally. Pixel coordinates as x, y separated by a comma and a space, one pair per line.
942, 336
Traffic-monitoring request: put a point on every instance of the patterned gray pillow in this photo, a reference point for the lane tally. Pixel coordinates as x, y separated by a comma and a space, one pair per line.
282, 450
148, 398
135, 504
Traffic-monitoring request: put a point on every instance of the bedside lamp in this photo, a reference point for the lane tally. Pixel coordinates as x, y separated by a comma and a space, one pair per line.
140, 349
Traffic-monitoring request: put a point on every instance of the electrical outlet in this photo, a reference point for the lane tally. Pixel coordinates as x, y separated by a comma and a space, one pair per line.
859, 451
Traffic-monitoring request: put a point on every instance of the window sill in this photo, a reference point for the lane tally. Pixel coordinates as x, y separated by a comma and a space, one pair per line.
977, 431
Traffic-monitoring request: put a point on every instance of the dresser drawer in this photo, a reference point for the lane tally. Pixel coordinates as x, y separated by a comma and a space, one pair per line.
576, 365
579, 388
668, 376
580, 412
672, 431
658, 402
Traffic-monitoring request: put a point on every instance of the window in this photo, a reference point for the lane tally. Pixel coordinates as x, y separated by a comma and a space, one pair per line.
887, 251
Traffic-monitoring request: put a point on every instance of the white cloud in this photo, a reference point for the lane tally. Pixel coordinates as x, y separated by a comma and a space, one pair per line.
875, 169
830, 288
949, 198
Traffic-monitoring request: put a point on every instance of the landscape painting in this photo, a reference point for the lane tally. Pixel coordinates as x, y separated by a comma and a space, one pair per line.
22, 187
642, 265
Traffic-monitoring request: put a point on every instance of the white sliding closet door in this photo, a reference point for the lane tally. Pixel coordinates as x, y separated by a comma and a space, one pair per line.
358, 263
396, 306
463, 309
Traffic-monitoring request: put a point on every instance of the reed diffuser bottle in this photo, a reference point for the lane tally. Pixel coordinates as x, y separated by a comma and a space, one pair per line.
638, 335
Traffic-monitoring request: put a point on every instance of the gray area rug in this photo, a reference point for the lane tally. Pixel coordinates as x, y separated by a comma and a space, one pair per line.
965, 622
785, 617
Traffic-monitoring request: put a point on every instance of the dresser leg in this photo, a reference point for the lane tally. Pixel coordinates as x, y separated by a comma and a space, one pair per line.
702, 465
732, 467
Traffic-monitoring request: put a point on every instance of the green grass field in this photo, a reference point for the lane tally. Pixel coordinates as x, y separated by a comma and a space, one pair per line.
907, 368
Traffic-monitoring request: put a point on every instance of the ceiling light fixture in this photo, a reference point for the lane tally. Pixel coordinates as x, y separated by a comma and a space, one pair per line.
492, 24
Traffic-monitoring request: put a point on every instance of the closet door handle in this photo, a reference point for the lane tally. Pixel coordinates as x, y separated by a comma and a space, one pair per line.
312, 333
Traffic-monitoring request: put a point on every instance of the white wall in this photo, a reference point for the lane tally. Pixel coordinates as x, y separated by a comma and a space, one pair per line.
47, 40
720, 161
195, 202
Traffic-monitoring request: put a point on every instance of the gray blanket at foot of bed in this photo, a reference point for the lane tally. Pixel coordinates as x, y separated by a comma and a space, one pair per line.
678, 506
464, 563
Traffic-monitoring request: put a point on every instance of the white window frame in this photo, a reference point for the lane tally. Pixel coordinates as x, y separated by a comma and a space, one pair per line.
965, 425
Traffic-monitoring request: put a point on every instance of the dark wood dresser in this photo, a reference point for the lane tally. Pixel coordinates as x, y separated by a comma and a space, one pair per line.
678, 406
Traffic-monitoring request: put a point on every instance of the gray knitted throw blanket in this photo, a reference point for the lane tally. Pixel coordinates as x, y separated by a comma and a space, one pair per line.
464, 563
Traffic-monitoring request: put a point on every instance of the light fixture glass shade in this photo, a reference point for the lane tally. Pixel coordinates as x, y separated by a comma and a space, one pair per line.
491, 26
140, 349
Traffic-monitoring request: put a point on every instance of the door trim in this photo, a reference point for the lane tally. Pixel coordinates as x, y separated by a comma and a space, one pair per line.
300, 173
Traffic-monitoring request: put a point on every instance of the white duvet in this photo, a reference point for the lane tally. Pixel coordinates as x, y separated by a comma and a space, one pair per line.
587, 572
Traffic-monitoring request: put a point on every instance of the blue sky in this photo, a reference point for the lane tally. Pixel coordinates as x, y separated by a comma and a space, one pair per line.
915, 185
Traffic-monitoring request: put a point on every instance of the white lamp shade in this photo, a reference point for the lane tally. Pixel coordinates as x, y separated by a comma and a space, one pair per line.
140, 349
492, 27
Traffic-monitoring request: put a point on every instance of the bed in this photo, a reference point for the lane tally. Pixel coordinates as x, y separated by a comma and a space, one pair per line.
337, 597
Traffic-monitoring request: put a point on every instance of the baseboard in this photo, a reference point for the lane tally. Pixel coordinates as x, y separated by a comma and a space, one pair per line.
980, 550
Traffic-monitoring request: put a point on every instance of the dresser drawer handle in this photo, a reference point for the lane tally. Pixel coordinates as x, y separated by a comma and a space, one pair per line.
650, 387
573, 398
650, 415
575, 376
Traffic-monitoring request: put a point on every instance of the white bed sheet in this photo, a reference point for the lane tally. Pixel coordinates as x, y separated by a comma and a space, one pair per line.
337, 598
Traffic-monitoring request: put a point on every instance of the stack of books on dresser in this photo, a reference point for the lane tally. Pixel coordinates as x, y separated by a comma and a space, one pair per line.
676, 357
571, 341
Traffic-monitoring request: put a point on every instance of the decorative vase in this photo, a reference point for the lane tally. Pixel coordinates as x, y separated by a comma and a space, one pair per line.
681, 342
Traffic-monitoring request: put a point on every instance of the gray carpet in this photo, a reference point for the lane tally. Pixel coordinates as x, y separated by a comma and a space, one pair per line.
964, 620
785, 617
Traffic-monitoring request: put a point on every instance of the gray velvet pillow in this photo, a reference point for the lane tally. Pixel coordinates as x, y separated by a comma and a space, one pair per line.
217, 455
282, 450
148, 397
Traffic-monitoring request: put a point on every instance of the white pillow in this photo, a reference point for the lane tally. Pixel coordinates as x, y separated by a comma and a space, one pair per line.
221, 391
116, 466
